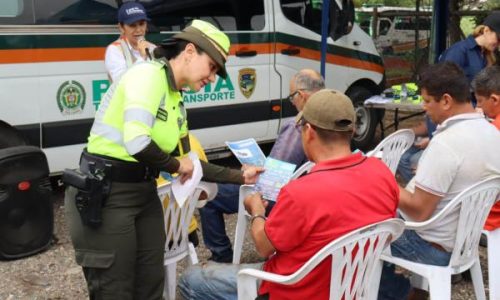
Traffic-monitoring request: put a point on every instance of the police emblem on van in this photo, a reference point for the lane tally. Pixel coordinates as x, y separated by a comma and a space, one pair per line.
71, 97
247, 80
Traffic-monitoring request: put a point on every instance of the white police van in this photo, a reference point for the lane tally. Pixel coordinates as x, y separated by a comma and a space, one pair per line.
394, 28
52, 75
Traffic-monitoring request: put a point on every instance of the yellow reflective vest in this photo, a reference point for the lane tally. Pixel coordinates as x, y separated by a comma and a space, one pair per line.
144, 105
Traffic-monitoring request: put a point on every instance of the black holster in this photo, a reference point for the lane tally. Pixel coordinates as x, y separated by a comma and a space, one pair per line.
93, 189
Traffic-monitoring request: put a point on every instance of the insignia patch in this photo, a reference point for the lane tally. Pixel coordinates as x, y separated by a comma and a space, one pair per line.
71, 97
247, 80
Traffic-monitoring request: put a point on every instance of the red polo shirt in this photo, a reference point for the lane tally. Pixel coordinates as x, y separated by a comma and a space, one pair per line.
493, 221
335, 198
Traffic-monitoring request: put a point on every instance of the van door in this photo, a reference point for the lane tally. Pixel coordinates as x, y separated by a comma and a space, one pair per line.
383, 40
239, 106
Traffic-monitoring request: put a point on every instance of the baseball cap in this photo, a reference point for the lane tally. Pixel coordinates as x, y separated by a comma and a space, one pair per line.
210, 39
329, 109
131, 12
493, 22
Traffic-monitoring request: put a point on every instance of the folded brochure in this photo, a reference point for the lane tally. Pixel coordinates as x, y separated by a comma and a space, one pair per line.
247, 152
277, 173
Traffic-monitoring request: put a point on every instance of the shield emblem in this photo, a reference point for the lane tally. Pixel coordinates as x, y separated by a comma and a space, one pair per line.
247, 80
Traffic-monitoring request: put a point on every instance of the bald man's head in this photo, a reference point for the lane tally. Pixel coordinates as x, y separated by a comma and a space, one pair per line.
303, 84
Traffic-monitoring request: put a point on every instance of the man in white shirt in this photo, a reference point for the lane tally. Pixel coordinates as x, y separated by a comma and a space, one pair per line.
463, 151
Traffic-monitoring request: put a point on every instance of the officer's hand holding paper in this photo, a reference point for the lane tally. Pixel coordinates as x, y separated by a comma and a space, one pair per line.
186, 168
182, 189
251, 173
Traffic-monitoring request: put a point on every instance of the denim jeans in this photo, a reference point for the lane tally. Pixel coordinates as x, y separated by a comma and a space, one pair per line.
212, 219
408, 162
212, 281
412, 247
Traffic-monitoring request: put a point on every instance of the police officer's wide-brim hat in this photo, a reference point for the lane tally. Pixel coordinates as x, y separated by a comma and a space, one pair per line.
210, 39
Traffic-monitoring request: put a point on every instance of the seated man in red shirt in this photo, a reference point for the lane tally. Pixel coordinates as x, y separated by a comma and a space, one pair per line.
342, 192
486, 87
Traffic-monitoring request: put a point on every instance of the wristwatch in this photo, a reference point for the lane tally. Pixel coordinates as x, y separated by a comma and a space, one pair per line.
252, 218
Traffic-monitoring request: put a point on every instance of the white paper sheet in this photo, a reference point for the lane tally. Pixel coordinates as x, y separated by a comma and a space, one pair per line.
182, 191
379, 99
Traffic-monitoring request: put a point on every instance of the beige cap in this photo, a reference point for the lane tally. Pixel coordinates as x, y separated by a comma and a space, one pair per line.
330, 110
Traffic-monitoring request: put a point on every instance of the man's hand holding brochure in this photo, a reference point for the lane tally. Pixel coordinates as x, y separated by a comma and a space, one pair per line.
277, 173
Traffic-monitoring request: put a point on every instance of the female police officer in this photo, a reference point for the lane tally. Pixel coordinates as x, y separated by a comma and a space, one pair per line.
139, 124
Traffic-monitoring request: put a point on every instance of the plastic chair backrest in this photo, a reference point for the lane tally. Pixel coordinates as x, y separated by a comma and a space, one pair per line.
393, 147
304, 168
353, 271
474, 204
353, 281
177, 219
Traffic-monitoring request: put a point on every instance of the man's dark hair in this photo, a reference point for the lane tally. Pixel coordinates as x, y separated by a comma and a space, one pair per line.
445, 78
487, 81
328, 137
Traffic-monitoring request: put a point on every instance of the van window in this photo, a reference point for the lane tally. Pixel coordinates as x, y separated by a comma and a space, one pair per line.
228, 15
342, 19
306, 13
11, 8
16, 12
90, 12
385, 25
166, 15
410, 23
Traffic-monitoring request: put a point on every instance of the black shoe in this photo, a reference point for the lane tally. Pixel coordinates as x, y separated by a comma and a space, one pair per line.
483, 241
221, 258
193, 238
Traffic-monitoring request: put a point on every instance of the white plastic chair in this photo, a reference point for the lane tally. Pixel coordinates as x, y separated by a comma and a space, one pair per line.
177, 221
493, 262
392, 148
355, 277
242, 221
474, 204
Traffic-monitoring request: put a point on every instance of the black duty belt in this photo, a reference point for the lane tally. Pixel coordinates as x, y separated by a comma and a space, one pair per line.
119, 170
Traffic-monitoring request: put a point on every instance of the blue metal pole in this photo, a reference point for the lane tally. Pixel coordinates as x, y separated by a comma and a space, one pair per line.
439, 28
324, 34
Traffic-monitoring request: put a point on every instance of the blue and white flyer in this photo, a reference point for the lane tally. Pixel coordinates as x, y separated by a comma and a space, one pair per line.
277, 173
247, 152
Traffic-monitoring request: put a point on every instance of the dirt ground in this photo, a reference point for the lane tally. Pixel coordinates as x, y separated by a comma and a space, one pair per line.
54, 274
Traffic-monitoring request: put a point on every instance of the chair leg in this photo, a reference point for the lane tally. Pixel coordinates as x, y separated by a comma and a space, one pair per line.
477, 280
440, 286
193, 258
239, 237
170, 281
419, 282
494, 263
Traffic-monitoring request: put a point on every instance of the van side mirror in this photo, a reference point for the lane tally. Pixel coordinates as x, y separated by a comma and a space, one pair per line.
341, 19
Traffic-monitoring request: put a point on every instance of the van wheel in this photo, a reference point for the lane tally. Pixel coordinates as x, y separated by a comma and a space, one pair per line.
366, 119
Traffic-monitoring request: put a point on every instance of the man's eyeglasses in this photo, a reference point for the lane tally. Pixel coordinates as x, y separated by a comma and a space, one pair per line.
292, 95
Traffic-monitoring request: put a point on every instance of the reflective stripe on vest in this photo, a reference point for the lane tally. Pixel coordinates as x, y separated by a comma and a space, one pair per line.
140, 107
